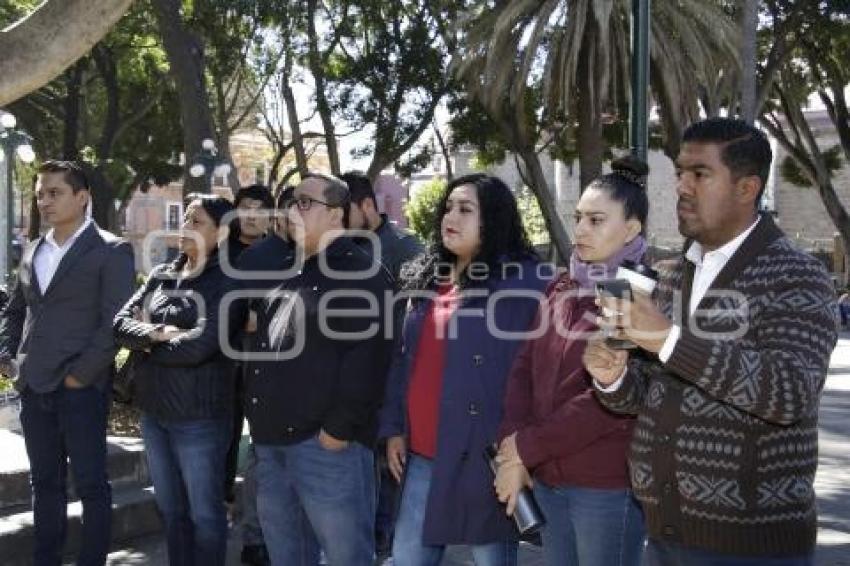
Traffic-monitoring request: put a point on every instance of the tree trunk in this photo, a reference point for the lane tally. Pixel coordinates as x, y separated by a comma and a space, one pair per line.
71, 132
292, 117
589, 140
186, 59
227, 157
35, 218
808, 156
106, 66
444, 150
839, 114
389, 148
224, 132
836, 210
314, 60
102, 194
536, 181
749, 28
38, 48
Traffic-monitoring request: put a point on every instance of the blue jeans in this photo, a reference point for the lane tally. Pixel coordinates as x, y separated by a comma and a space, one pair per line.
310, 498
590, 527
660, 553
408, 549
187, 462
68, 424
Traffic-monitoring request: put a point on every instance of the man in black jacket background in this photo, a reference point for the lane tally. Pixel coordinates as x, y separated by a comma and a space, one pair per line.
395, 248
312, 400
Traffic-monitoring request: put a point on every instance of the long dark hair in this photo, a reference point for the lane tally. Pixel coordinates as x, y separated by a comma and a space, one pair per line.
503, 237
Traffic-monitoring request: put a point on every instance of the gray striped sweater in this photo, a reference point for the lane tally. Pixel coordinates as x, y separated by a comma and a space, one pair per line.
724, 453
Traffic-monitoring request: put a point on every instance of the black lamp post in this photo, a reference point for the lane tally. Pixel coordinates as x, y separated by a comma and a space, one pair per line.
207, 163
13, 142
639, 119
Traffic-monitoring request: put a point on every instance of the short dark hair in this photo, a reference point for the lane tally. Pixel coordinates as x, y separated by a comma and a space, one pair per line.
215, 206
744, 148
74, 172
360, 187
336, 193
255, 192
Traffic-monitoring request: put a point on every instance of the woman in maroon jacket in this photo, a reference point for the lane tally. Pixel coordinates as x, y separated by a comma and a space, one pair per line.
553, 428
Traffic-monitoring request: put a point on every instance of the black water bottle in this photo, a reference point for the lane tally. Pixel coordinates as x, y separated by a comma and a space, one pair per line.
527, 514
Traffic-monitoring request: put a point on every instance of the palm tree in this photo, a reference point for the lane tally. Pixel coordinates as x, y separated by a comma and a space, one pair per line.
749, 52
577, 53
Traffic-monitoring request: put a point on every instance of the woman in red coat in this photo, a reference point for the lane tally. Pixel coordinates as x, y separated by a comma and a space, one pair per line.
553, 428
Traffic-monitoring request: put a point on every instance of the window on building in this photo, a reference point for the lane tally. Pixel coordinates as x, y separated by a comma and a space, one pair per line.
173, 216
260, 174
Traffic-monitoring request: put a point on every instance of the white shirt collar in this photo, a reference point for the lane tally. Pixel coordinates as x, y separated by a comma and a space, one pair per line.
70, 241
696, 256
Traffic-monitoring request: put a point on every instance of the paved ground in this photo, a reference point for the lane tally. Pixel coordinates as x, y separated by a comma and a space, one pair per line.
832, 486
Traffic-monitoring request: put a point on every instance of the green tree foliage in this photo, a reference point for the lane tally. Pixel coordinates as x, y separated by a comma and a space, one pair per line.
389, 73
421, 210
792, 172
532, 216
113, 108
812, 61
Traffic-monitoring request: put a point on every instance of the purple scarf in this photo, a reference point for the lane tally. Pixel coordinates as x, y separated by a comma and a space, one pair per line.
587, 274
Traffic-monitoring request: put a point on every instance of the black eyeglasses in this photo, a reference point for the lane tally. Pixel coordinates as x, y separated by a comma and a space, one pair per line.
306, 203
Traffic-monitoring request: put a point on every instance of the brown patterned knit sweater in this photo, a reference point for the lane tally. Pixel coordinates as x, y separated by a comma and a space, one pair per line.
724, 453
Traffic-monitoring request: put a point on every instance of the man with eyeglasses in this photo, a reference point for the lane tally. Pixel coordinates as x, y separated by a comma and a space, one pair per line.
312, 405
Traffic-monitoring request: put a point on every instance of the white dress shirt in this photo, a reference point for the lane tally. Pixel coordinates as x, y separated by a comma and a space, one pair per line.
50, 254
708, 266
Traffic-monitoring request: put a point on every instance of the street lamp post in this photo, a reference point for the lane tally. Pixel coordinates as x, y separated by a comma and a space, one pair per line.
13, 142
207, 164
639, 119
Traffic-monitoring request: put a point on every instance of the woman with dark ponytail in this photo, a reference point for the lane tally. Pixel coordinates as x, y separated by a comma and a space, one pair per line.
554, 430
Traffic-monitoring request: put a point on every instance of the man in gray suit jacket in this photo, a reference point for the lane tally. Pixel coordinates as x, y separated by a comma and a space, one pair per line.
56, 340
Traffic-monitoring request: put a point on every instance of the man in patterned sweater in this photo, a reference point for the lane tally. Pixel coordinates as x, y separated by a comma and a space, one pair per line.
735, 350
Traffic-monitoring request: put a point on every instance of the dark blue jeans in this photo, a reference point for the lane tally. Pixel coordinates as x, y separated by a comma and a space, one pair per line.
388, 494
68, 424
660, 553
187, 465
310, 498
590, 527
252, 534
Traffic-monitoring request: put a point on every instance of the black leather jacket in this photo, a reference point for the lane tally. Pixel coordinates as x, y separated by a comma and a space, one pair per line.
188, 377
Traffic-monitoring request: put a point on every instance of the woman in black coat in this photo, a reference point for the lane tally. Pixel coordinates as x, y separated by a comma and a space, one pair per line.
184, 385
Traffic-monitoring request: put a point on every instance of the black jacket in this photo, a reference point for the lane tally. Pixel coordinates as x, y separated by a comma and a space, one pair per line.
189, 377
330, 383
397, 246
